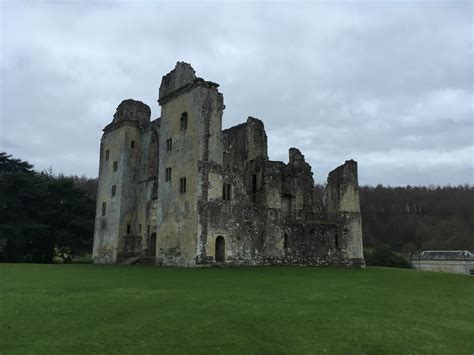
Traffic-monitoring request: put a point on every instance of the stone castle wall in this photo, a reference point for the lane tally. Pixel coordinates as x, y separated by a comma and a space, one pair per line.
237, 207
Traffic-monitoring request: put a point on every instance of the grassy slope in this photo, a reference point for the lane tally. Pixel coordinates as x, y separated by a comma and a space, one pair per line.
137, 309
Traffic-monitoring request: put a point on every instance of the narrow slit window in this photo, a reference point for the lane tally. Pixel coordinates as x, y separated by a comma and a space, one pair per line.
184, 121
104, 208
132, 144
182, 185
115, 166
169, 144
128, 228
107, 155
168, 174
114, 190
226, 192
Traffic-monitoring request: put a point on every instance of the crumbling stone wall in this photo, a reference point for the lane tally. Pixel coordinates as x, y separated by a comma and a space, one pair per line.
237, 208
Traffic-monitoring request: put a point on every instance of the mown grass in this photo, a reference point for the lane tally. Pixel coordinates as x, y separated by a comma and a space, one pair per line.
138, 309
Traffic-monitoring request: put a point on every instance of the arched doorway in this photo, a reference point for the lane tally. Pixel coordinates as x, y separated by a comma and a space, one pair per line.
220, 249
152, 249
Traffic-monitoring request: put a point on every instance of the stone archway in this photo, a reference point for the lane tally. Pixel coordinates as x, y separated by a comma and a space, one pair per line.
220, 249
152, 248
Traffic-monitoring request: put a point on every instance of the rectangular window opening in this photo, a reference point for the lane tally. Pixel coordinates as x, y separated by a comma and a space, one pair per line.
114, 190
128, 228
132, 144
226, 192
169, 144
182, 185
168, 174
104, 208
115, 166
184, 121
107, 155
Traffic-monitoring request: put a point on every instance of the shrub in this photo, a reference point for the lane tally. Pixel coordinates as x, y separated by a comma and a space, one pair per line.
383, 256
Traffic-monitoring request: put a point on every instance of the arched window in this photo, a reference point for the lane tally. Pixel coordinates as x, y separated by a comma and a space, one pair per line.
220, 249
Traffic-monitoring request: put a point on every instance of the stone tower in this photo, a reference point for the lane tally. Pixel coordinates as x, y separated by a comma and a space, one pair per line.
343, 208
116, 195
190, 142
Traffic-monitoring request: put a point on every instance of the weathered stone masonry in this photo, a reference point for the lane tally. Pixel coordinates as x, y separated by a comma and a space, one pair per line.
181, 191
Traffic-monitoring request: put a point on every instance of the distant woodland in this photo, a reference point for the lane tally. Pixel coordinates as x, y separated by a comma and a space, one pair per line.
44, 216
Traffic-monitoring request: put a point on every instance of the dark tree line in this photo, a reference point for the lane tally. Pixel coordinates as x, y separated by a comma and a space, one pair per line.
410, 219
43, 215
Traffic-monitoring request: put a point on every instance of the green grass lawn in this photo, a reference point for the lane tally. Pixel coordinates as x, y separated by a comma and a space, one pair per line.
139, 309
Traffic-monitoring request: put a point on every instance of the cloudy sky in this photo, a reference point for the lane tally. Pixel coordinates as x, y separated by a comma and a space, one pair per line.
389, 84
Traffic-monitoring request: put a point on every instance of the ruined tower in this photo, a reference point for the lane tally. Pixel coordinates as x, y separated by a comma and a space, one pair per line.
190, 142
343, 208
181, 191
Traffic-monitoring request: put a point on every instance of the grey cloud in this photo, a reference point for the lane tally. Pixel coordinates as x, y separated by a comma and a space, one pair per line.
388, 84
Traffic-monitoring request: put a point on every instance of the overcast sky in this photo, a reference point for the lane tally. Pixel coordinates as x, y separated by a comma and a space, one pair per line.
389, 84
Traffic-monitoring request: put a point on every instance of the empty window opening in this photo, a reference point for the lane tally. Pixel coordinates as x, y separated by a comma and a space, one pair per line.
336, 240
140, 229
152, 246
168, 174
182, 185
128, 228
226, 192
107, 155
104, 208
285, 241
115, 166
114, 190
169, 144
254, 183
220, 249
184, 121
132, 144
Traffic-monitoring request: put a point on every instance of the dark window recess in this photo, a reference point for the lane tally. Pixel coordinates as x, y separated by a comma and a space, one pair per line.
168, 174
115, 166
139, 229
182, 185
169, 144
134, 177
285, 242
114, 190
226, 192
254, 183
184, 121
336, 240
106, 155
128, 228
104, 208
132, 144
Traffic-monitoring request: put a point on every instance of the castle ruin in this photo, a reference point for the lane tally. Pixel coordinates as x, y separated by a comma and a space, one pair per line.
181, 191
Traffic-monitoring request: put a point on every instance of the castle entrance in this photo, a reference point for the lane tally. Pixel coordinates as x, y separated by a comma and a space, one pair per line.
220, 249
152, 249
